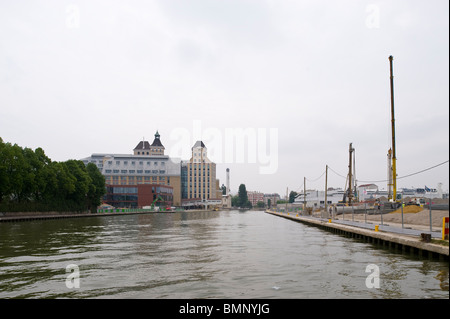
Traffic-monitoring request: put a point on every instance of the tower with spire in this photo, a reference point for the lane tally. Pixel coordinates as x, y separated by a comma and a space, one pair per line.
157, 148
145, 148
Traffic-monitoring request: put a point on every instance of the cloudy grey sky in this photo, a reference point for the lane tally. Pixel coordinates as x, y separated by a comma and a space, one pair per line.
302, 78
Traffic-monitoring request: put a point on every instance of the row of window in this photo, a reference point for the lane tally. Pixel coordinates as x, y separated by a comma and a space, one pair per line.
206, 196
152, 149
134, 163
199, 167
137, 178
122, 190
132, 171
134, 190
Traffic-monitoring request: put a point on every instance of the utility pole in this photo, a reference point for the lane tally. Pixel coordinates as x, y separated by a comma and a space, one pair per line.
350, 178
287, 199
326, 188
394, 155
304, 194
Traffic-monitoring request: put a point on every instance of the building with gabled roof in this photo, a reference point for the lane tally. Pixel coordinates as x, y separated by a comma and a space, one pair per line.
146, 166
145, 148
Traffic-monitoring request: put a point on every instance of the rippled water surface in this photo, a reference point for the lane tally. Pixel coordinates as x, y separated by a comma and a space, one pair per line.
226, 254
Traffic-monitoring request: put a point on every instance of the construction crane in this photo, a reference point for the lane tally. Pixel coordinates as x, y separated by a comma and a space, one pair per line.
393, 153
349, 193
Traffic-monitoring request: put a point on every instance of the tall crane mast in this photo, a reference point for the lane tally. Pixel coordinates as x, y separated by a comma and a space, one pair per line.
394, 155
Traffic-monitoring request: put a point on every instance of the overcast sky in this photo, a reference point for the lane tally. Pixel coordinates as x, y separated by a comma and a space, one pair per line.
302, 79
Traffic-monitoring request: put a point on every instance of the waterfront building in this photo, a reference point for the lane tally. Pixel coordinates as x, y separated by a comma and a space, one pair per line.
138, 196
148, 165
198, 177
255, 197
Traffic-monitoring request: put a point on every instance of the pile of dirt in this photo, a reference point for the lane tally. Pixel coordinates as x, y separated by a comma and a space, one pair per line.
408, 209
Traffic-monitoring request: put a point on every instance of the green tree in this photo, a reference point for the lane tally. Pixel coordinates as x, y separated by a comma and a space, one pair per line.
292, 196
243, 198
4, 177
78, 170
235, 201
30, 181
43, 170
15, 164
96, 188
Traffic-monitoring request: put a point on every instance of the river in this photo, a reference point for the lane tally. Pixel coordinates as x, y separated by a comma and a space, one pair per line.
225, 254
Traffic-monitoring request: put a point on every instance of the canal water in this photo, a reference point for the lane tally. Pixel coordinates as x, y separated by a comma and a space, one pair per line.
225, 254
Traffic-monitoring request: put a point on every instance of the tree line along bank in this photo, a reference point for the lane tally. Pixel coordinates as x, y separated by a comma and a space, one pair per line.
31, 181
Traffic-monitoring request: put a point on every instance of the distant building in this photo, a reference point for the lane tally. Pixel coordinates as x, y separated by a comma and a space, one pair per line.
198, 176
273, 199
367, 192
255, 197
180, 183
146, 166
316, 199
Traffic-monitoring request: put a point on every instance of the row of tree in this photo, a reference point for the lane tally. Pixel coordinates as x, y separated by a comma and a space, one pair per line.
241, 199
30, 181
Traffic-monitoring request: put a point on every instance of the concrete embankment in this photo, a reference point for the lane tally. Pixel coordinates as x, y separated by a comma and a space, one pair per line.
404, 243
20, 217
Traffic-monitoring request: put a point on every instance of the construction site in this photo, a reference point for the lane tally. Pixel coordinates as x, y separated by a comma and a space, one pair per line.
413, 206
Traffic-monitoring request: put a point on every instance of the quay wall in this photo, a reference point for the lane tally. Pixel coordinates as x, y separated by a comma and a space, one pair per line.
406, 244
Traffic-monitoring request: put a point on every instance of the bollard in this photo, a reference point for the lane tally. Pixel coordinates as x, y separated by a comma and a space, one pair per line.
425, 237
329, 220
376, 228
445, 228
